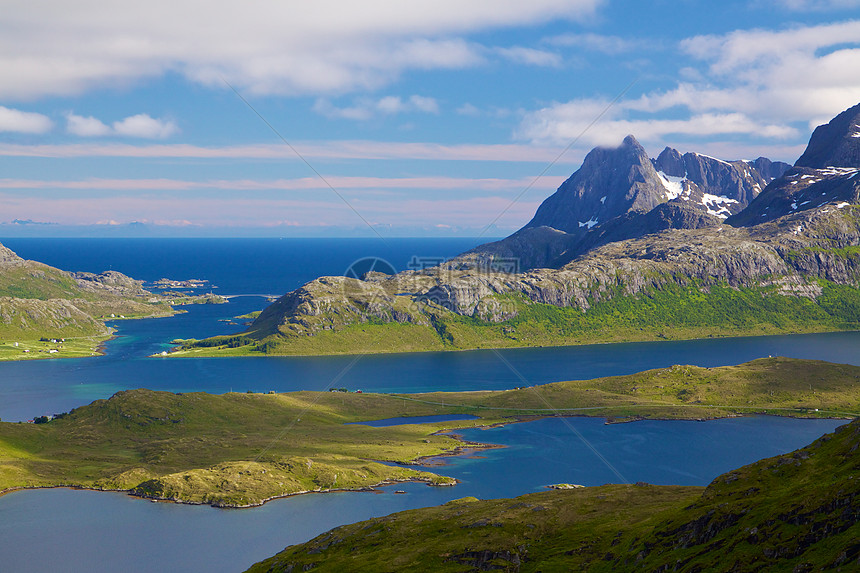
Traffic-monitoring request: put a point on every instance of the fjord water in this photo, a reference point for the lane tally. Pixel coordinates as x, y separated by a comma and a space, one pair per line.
86, 531
66, 530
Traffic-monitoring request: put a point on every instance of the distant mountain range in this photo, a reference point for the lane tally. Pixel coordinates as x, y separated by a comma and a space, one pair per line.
628, 248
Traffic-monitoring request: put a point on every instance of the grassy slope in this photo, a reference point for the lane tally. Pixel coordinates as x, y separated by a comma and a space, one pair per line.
776, 385
207, 448
797, 512
240, 449
673, 312
39, 301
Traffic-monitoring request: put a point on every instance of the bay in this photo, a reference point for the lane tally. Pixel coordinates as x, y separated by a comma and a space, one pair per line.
85, 531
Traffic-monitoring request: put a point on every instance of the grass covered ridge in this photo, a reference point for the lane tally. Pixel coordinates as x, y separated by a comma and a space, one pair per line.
672, 312
241, 449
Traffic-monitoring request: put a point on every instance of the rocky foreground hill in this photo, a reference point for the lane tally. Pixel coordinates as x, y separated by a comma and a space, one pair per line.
628, 248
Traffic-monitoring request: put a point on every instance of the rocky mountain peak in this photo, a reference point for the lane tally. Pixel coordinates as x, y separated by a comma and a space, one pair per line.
828, 173
8, 256
835, 144
671, 163
610, 182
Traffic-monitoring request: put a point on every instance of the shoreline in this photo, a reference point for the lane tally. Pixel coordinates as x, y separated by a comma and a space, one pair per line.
467, 449
209, 353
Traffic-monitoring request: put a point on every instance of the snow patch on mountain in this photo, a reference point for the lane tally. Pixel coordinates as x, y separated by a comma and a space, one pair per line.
674, 185
717, 206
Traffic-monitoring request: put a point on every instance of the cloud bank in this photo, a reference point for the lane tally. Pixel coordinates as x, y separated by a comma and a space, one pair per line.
759, 84
50, 47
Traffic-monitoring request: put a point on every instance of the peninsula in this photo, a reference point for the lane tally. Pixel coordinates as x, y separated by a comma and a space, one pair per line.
239, 450
795, 512
46, 312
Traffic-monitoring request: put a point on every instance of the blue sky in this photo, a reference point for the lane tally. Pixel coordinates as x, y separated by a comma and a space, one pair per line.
420, 118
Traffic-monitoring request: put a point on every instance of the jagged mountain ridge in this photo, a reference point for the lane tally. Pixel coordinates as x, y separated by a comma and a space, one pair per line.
826, 173
798, 252
620, 193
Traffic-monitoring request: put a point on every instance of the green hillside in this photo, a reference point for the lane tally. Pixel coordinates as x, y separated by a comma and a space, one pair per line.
670, 312
242, 449
39, 303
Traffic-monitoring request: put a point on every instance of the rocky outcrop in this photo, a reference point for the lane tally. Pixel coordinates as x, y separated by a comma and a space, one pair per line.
8, 257
836, 144
111, 282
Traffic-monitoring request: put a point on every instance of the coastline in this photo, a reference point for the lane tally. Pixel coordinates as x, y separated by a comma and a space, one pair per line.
240, 352
467, 449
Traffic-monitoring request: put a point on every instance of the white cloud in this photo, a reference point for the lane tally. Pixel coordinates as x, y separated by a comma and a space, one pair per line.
762, 85
366, 108
322, 47
86, 126
817, 5
327, 150
140, 125
530, 56
600, 43
561, 123
24, 121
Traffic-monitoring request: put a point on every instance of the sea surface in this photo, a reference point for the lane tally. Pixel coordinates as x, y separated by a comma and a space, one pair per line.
69, 530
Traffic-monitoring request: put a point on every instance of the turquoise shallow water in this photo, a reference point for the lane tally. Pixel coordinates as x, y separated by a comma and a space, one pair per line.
67, 530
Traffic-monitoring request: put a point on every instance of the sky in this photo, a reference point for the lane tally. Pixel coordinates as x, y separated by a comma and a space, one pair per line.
421, 118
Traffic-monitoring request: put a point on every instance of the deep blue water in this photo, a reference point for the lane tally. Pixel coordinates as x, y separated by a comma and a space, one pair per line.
234, 266
87, 531
65, 530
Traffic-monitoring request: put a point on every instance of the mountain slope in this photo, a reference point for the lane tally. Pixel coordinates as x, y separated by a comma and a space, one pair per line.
40, 301
835, 144
660, 266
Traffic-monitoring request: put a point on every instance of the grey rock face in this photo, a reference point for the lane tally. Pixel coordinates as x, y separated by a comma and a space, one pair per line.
770, 170
610, 183
110, 281
8, 257
720, 188
836, 144
620, 194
